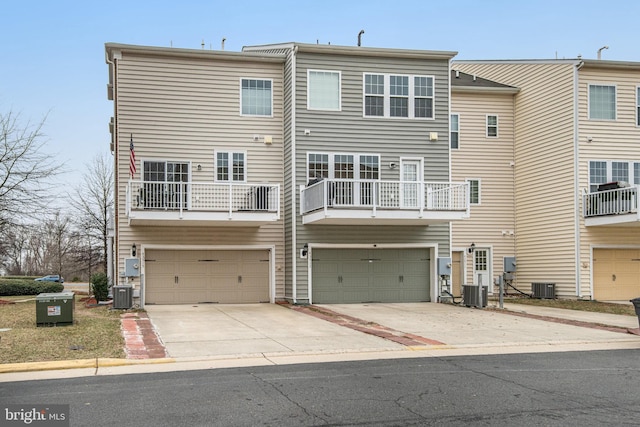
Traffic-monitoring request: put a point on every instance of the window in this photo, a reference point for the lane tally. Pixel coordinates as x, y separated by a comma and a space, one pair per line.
455, 130
603, 171
492, 126
323, 90
230, 166
374, 95
398, 96
602, 102
256, 99
343, 166
423, 92
638, 107
165, 185
474, 191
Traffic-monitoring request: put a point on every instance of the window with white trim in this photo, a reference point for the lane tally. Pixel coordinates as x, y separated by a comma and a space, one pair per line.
256, 97
604, 171
343, 166
454, 133
492, 126
230, 166
323, 90
393, 96
638, 106
474, 191
602, 102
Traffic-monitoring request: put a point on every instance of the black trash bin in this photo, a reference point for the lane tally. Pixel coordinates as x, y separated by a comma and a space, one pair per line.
636, 305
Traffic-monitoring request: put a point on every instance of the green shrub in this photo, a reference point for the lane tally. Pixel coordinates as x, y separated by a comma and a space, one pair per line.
10, 287
100, 286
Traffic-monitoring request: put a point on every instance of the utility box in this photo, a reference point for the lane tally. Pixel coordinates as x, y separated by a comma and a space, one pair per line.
509, 264
444, 266
55, 309
132, 267
122, 297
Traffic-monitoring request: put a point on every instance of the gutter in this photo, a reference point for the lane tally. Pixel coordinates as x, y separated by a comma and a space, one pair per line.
294, 189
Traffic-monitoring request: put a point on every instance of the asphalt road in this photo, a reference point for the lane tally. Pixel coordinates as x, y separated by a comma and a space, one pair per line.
552, 389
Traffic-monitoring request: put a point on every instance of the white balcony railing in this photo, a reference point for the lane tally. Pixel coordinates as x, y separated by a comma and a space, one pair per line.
385, 195
610, 202
185, 197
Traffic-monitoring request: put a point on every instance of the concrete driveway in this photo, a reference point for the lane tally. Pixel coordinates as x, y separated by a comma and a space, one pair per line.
215, 330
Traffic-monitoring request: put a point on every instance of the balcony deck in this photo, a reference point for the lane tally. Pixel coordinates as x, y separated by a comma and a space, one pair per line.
202, 204
373, 202
617, 207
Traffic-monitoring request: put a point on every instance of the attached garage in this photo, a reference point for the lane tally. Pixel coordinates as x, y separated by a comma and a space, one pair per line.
206, 276
370, 275
616, 274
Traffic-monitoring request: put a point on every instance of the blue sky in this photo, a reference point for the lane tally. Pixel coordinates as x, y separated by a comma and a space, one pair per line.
52, 52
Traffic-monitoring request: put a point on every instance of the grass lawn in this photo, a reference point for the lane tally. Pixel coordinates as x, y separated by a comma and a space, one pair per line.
600, 307
95, 333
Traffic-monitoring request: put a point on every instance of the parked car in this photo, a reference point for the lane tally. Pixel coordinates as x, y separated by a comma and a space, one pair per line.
50, 278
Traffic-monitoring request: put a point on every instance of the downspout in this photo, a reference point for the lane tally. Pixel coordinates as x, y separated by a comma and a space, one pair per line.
116, 241
294, 188
576, 176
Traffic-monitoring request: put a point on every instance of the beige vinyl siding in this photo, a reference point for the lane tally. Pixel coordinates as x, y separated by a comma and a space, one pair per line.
489, 160
544, 167
348, 131
183, 108
617, 140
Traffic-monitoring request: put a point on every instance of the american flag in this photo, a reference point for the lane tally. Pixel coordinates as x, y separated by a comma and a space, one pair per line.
132, 158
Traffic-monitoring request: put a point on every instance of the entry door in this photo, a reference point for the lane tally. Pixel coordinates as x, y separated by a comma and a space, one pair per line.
411, 175
481, 262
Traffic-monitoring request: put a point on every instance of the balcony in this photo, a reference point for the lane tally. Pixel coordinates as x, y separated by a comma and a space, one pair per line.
614, 207
373, 202
202, 204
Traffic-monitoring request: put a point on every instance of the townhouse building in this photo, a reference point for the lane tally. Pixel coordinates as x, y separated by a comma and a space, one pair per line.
482, 154
197, 141
369, 198
576, 173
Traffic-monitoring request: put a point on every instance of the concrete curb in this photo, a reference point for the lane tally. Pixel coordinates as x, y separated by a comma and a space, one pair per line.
77, 364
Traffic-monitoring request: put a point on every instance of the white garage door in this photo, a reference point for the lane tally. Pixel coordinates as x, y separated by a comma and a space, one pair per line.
187, 277
616, 274
370, 275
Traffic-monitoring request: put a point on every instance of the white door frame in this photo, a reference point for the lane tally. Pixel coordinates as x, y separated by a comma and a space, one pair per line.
418, 162
488, 274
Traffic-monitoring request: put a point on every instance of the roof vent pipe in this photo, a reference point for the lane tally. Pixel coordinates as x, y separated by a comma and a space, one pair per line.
222, 43
600, 51
474, 77
457, 74
360, 37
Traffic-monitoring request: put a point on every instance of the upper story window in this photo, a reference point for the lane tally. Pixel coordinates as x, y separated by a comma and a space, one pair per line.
602, 102
454, 133
404, 96
323, 90
638, 107
256, 97
603, 171
474, 191
343, 166
230, 166
492, 126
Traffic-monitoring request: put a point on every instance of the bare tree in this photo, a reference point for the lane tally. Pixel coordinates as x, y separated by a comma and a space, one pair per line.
25, 170
93, 200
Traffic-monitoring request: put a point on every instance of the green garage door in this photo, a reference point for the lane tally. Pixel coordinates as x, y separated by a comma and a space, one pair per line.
370, 275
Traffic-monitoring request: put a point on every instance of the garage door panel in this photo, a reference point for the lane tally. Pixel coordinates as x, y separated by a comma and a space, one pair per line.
616, 274
195, 276
370, 275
